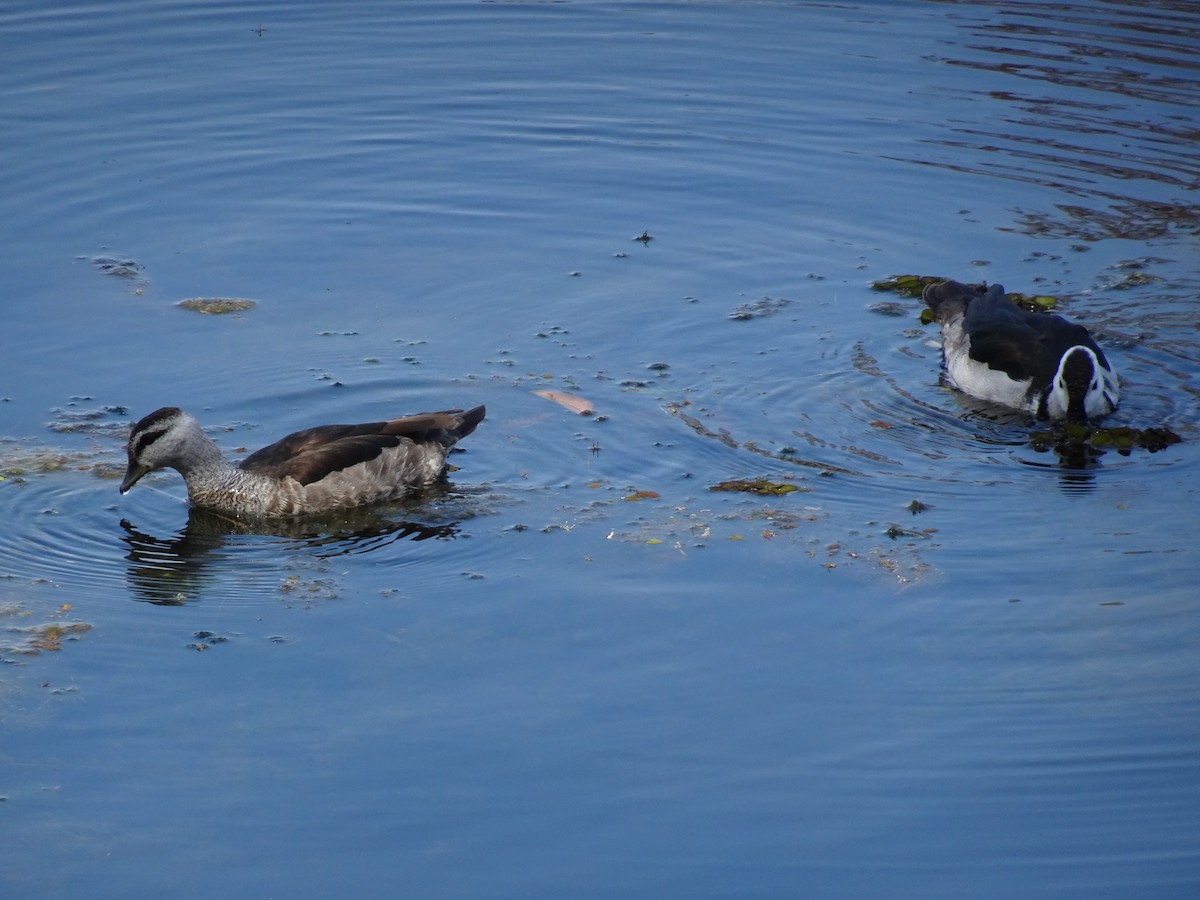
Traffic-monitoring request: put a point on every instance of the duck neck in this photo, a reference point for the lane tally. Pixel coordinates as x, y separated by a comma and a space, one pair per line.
1073, 381
205, 469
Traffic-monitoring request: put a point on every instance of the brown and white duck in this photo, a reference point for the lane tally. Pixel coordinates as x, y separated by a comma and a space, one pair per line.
317, 470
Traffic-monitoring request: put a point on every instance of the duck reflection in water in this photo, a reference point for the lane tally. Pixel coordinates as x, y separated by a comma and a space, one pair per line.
174, 570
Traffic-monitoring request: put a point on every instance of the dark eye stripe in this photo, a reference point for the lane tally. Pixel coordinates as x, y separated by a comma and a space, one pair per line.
144, 439
150, 429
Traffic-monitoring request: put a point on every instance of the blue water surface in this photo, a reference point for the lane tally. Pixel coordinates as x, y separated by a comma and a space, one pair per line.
574, 669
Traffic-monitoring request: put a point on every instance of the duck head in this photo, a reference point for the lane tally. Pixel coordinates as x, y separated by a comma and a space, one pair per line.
1078, 384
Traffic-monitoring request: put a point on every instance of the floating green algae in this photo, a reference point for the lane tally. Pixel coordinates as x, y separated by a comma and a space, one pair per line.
756, 486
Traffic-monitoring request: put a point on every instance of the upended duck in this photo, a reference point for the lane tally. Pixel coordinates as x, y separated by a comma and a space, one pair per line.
1031, 361
317, 470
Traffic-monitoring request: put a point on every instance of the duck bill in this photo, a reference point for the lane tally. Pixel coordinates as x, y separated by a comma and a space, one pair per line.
1077, 412
132, 475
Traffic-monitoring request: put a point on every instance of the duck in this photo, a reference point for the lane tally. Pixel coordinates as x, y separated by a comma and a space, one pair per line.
1036, 362
317, 470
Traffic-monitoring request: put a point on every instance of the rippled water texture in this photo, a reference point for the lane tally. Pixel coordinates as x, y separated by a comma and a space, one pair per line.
932, 659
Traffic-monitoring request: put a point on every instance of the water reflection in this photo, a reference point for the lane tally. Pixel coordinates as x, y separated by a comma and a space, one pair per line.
1098, 110
1076, 467
173, 570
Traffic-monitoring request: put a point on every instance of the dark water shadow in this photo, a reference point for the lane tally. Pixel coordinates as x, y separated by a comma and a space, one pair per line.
173, 570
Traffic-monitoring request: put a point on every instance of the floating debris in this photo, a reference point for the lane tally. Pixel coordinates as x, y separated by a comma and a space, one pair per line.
117, 266
916, 506
758, 486
645, 237
1070, 440
217, 306
50, 637
895, 531
206, 640
767, 306
36, 461
90, 421
306, 589
643, 495
30, 640
1131, 279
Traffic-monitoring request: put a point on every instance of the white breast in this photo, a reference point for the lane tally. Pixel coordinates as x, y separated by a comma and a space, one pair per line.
978, 379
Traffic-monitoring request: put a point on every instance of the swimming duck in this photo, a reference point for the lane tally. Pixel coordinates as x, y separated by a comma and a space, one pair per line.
1036, 362
317, 470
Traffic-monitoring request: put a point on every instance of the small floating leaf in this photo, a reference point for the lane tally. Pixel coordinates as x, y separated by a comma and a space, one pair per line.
569, 401
643, 495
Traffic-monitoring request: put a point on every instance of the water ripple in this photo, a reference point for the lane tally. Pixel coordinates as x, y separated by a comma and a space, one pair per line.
1096, 106
56, 530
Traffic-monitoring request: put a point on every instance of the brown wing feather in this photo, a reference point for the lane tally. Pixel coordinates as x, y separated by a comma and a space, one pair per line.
311, 454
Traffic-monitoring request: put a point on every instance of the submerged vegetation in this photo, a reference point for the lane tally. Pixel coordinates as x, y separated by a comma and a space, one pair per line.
30, 640
217, 306
20, 463
1071, 440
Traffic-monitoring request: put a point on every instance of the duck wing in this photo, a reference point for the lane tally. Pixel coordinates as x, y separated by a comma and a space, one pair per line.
1021, 343
309, 455
1008, 339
